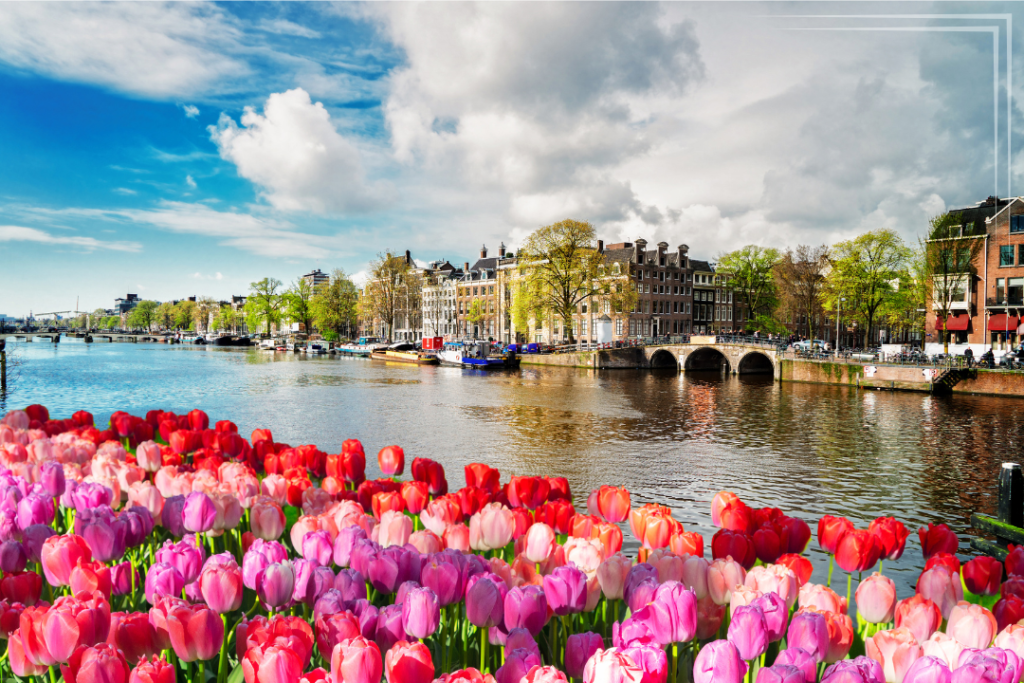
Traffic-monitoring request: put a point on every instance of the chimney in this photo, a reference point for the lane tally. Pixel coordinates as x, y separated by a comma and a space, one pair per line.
465, 267
639, 248
684, 261
501, 250
600, 246
483, 251
408, 258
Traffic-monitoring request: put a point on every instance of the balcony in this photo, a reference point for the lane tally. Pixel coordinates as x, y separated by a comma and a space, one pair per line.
1011, 301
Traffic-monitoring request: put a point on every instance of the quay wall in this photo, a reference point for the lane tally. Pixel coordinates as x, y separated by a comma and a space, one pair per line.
605, 359
899, 378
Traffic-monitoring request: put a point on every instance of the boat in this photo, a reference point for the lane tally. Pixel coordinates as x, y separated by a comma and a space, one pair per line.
218, 339
363, 347
269, 344
476, 355
404, 352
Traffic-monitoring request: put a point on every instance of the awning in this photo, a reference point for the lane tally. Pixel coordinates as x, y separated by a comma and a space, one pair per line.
954, 323
1000, 322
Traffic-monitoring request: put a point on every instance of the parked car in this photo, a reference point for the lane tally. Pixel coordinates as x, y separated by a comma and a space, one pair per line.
808, 344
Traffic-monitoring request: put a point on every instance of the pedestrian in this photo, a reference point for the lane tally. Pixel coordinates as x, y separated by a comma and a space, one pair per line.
969, 356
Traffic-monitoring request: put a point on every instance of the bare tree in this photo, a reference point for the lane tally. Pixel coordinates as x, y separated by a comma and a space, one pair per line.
949, 254
392, 292
801, 276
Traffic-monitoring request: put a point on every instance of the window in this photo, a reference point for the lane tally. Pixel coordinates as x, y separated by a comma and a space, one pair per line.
632, 327
1016, 223
1020, 254
618, 327
1000, 291
718, 296
730, 297
1006, 255
687, 307
490, 290
730, 315
675, 307
661, 275
647, 327
583, 326
584, 307
1015, 290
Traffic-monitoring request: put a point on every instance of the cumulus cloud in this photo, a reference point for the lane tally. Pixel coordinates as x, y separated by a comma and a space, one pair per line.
148, 49
191, 111
17, 233
190, 182
293, 152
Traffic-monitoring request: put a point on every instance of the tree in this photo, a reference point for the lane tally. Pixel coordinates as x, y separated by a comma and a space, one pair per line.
184, 313
866, 271
296, 304
164, 315
204, 307
392, 292
801, 279
559, 269
141, 317
334, 305
263, 304
226, 318
950, 251
751, 272
475, 313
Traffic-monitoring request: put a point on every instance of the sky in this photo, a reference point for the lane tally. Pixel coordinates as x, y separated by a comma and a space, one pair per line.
172, 150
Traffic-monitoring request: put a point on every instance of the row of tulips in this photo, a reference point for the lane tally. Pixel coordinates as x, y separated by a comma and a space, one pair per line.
161, 549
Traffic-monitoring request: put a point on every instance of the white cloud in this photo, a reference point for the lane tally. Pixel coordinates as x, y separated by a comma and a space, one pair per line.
149, 49
190, 182
16, 233
125, 191
200, 276
191, 111
294, 153
285, 27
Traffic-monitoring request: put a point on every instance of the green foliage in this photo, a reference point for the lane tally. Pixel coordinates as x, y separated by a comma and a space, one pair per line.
296, 304
331, 336
392, 291
163, 316
335, 306
263, 305
184, 312
752, 277
141, 317
475, 312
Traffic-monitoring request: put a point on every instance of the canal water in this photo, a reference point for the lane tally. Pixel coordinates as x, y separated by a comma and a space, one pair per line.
669, 438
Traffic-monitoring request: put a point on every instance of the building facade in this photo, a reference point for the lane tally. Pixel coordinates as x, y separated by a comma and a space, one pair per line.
316, 279
440, 292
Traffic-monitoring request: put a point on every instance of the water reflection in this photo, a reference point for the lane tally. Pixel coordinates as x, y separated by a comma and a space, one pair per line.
675, 439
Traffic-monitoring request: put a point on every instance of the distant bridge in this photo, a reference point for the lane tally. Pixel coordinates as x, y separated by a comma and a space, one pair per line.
100, 336
724, 354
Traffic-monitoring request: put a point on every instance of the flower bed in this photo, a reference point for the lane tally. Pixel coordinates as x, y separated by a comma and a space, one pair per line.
162, 549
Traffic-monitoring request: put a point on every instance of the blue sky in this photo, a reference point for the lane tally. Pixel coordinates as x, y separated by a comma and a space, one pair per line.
179, 149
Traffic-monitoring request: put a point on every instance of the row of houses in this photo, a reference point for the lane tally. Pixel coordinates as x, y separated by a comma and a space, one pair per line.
675, 295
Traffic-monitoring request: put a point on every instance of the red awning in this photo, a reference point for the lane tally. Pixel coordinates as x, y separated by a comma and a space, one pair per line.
1000, 322
954, 323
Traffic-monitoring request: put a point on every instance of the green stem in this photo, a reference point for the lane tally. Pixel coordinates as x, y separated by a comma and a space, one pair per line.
202, 672
849, 585
483, 650
831, 557
675, 662
222, 663
881, 566
465, 643
53, 676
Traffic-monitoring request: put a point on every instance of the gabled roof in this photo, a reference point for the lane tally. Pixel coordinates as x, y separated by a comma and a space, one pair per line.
486, 264
702, 266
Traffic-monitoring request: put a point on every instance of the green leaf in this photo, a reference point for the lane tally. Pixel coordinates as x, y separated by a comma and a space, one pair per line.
236, 675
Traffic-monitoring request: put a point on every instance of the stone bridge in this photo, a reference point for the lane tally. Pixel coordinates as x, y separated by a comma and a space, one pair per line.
707, 353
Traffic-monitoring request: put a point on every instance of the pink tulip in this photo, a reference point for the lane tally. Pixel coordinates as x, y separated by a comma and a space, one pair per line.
1010, 638
60, 554
543, 674
941, 586
809, 632
695, 575
776, 578
651, 660
456, 537
491, 528
426, 542
275, 584
100, 663
199, 513
220, 583
148, 455
896, 650
270, 663
822, 598
195, 632
485, 600
75, 621
155, 670
356, 660
611, 575
421, 613
409, 662
668, 565
748, 632
540, 542
719, 662
724, 576
266, 519
612, 666
971, 625
876, 599
527, 607
394, 529
943, 647
579, 648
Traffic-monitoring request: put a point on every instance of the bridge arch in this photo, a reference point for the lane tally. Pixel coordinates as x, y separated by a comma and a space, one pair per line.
706, 358
755, 362
663, 358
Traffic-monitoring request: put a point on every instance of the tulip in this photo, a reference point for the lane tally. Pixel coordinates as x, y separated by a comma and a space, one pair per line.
89, 577
821, 598
59, 556
356, 660
735, 544
724, 575
613, 666
266, 519
421, 613
928, 670
162, 580
738, 516
748, 632
526, 607
335, 628
579, 648
938, 539
830, 532
221, 584
408, 662
394, 529
896, 650
389, 627
891, 534
171, 516
12, 556
515, 666
540, 542
840, 636
613, 503
441, 575
485, 600
612, 573
809, 632
858, 550
779, 579
780, 673
799, 565
858, 670
186, 556
920, 615
776, 615
544, 674
35, 509
1010, 638
75, 622
274, 585
799, 659
491, 527
651, 660
199, 513
943, 647
718, 662
1014, 560
270, 664
876, 599
971, 625
132, 634
100, 663
195, 632
24, 587
566, 590
986, 665
677, 605
154, 671
391, 460
942, 587
983, 575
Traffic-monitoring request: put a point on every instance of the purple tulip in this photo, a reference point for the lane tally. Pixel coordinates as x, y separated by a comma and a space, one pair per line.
363, 550
317, 547
34, 537
517, 664
9, 529
171, 519
311, 581
859, 670
382, 571
404, 589
186, 556
526, 607
809, 631
35, 509
579, 648
89, 496
801, 659
163, 580
566, 590
331, 602
199, 513
992, 664
351, 584
138, 525
641, 594
274, 584
636, 630
51, 475
389, 627
780, 673
680, 605
927, 670
485, 600
13, 557
121, 578
368, 616
749, 632
409, 562
520, 638
443, 575
421, 613
103, 532
719, 662
260, 555
344, 542
776, 614
10, 495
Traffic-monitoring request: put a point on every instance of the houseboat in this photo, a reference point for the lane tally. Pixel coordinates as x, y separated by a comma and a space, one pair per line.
363, 347
476, 355
404, 352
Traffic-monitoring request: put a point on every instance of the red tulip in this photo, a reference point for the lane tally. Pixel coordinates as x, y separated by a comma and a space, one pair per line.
198, 420
409, 662
938, 538
613, 503
60, 554
386, 500
523, 520
794, 533
1008, 610
858, 550
558, 489
831, 530
982, 575
767, 544
528, 492
391, 460
415, 495
483, 476
892, 534
800, 565
76, 621
21, 664
271, 664
333, 629
132, 634
432, 474
922, 616
556, 514
32, 640
737, 516
1015, 560
685, 543
472, 499
89, 577
291, 632
946, 560
24, 587
739, 546
92, 664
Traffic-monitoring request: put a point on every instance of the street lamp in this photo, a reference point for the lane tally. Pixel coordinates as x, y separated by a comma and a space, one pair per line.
839, 310
1006, 325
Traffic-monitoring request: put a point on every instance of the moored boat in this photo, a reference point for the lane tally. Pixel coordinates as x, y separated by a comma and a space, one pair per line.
476, 355
363, 347
404, 352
